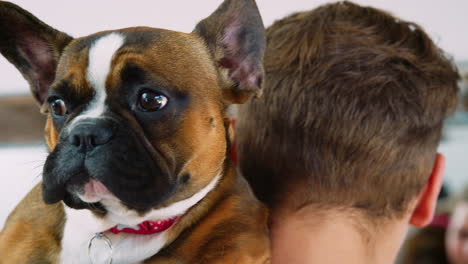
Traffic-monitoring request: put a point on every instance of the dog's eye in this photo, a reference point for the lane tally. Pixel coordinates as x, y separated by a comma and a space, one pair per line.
58, 107
151, 101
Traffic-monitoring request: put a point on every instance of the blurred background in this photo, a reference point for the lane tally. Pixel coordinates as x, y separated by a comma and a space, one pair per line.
22, 151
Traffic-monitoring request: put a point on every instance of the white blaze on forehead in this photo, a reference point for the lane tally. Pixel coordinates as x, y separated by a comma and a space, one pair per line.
100, 58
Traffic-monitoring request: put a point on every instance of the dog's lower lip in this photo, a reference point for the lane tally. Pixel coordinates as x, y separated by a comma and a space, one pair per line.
94, 191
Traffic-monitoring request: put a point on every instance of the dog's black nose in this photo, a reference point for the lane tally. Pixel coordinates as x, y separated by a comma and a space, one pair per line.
90, 135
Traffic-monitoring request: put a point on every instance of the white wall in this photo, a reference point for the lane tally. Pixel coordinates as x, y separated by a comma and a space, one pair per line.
445, 20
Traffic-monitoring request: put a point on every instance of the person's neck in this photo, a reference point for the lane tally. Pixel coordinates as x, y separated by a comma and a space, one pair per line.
338, 236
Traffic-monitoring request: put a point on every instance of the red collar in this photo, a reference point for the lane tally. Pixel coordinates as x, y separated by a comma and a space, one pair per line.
144, 228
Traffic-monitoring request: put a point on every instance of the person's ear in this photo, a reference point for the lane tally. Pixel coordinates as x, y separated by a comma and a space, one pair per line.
427, 200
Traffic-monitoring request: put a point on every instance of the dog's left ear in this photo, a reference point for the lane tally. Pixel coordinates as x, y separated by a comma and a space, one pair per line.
235, 36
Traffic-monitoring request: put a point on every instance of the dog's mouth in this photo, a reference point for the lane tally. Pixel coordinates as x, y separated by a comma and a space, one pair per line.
94, 194
88, 189
83, 191
84, 180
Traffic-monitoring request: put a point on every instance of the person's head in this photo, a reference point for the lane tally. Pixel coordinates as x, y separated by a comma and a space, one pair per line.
350, 117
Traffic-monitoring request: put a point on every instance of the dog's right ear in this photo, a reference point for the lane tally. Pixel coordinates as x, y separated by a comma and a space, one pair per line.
235, 36
32, 46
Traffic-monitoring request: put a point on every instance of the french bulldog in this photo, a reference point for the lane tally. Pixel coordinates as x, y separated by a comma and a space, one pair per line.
139, 141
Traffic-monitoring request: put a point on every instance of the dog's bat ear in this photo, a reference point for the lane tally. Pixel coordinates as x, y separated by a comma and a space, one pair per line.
32, 46
235, 36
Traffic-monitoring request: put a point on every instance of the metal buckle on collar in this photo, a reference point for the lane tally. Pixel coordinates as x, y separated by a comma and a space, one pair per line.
106, 240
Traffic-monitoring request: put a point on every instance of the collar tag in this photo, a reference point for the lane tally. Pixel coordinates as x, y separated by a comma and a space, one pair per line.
97, 241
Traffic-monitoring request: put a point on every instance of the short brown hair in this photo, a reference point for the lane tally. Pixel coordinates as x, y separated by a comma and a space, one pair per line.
351, 114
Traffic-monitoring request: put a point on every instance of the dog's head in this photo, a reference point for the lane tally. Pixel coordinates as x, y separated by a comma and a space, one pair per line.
137, 115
